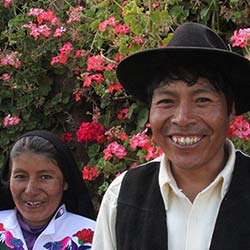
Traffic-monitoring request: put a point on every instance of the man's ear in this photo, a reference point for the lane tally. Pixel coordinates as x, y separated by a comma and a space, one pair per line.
232, 114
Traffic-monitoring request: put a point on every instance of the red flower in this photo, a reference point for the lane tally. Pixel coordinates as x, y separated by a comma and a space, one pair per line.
89, 131
123, 114
67, 137
89, 173
86, 235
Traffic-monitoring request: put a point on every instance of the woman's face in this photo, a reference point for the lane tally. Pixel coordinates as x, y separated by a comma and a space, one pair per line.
37, 186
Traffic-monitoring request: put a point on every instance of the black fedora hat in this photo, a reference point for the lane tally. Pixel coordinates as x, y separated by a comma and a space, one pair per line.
193, 43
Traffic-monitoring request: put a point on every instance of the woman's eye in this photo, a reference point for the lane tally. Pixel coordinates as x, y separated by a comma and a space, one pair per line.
19, 177
46, 177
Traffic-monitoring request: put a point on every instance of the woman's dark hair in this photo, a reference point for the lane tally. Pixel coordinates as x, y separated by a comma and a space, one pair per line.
190, 73
76, 197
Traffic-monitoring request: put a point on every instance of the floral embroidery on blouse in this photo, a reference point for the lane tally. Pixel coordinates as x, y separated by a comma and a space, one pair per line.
84, 236
84, 240
8, 241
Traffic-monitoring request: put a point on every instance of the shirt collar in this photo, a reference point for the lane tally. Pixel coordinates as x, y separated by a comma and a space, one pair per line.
167, 181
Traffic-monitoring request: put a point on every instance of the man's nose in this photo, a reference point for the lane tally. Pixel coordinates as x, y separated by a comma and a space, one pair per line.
184, 114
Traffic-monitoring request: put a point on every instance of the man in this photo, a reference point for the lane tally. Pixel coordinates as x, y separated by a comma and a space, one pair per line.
197, 195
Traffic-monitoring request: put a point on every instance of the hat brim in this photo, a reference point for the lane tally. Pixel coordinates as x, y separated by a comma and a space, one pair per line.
137, 72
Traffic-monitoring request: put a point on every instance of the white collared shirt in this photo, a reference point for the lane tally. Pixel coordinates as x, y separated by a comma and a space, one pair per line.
190, 225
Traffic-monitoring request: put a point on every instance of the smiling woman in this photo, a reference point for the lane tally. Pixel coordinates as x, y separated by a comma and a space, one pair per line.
45, 202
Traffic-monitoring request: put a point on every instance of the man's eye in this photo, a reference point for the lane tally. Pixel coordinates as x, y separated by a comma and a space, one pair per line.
165, 101
203, 99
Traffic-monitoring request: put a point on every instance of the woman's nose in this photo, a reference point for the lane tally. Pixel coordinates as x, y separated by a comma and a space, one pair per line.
32, 186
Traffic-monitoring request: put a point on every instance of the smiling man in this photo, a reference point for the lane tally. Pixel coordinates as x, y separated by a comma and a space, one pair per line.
197, 195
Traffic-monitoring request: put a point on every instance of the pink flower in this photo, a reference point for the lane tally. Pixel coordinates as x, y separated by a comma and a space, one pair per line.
121, 29
7, 3
113, 87
116, 149
89, 173
123, 136
75, 15
156, 5
89, 131
5, 76
11, 59
66, 48
67, 137
110, 66
140, 140
77, 96
95, 63
111, 22
88, 80
35, 11
123, 114
138, 40
241, 38
240, 127
11, 120
59, 32
77, 53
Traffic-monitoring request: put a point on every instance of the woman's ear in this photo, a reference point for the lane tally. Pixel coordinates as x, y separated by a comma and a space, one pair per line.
65, 186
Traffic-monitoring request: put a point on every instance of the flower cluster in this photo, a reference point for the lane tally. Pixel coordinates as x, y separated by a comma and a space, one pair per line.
11, 120
89, 131
241, 38
240, 128
90, 173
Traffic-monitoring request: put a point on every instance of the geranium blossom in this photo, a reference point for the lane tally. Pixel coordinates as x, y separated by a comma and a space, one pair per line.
123, 114
75, 15
67, 137
140, 140
111, 22
6, 3
95, 63
5, 76
11, 59
89, 131
59, 32
117, 86
10, 120
138, 40
96, 77
240, 127
116, 149
89, 173
66, 48
241, 38
121, 29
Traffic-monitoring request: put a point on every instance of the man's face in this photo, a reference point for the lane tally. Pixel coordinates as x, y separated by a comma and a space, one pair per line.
190, 124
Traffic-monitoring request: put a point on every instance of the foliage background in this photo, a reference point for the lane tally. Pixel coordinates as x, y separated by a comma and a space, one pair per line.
72, 89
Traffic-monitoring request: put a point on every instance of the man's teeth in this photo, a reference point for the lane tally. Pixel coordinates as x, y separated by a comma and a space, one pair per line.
184, 141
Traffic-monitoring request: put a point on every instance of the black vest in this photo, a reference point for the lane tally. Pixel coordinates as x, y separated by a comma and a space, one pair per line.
141, 216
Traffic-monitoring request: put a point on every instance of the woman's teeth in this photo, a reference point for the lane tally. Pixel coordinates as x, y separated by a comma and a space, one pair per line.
33, 203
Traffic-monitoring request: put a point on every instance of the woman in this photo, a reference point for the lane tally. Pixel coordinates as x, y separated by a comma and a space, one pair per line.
44, 203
